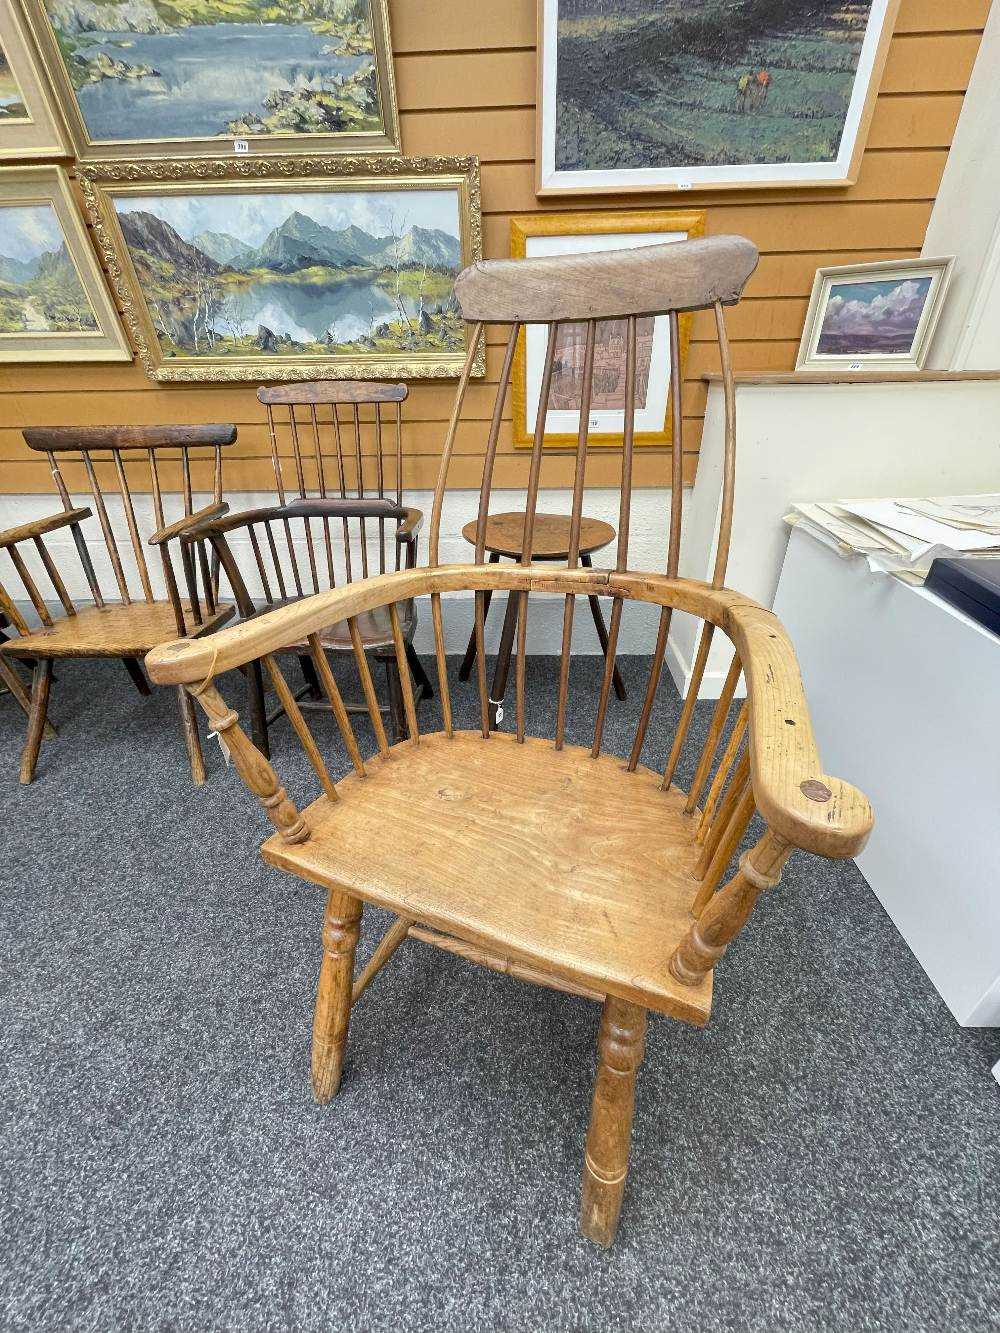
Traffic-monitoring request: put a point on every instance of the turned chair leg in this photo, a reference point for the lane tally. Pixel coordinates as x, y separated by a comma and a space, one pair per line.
137, 676
258, 709
499, 687
189, 723
397, 714
425, 690
36, 718
309, 676
620, 1046
333, 996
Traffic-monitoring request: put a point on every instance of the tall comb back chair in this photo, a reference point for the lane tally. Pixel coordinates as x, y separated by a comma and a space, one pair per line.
128, 625
338, 472
553, 862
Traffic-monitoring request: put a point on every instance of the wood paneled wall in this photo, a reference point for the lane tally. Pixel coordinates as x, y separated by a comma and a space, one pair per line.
466, 79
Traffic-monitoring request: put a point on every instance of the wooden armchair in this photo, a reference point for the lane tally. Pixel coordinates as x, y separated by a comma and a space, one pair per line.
553, 862
127, 628
346, 469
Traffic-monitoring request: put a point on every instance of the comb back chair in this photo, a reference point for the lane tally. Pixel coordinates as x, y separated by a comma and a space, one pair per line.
551, 862
340, 514
129, 626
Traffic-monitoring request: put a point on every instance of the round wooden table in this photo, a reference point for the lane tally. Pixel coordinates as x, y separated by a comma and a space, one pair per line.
549, 541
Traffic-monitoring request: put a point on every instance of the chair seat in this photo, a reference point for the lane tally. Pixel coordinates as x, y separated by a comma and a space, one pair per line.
374, 628
566, 863
550, 537
113, 630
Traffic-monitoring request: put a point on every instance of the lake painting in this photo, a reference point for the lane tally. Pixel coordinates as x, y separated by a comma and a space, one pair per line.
11, 98
148, 70
40, 289
878, 318
281, 274
658, 84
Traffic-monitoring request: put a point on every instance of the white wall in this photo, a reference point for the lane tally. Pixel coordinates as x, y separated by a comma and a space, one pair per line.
965, 222
825, 442
648, 542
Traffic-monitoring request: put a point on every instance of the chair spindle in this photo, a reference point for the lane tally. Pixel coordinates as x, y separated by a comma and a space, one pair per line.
133, 527
336, 702
109, 538
714, 734
406, 684
294, 714
368, 688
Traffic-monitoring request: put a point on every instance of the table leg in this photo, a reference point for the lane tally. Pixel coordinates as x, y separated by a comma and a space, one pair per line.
602, 632
465, 670
503, 657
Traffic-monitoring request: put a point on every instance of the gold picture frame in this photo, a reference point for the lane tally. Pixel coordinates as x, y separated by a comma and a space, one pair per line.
165, 81
163, 328
649, 226
52, 276
30, 126
648, 102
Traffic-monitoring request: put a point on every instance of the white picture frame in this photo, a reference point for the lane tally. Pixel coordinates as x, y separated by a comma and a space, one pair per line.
882, 306
730, 110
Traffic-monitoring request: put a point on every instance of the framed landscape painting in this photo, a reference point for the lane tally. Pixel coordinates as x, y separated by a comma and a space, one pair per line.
29, 124
706, 94
874, 316
161, 77
246, 270
538, 234
53, 302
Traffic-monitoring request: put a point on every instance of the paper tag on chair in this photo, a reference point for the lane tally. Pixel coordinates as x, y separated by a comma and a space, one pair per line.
222, 746
499, 714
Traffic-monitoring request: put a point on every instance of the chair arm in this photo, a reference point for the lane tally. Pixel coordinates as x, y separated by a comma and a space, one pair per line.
39, 526
182, 525
800, 802
410, 526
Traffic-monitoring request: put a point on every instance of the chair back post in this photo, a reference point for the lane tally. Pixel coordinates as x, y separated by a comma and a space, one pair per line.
334, 442
119, 446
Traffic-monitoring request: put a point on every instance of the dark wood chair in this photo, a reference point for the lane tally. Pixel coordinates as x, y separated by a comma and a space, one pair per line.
553, 862
129, 626
552, 539
337, 450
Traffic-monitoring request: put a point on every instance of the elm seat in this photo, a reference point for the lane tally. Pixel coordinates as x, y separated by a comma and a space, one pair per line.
607, 865
117, 629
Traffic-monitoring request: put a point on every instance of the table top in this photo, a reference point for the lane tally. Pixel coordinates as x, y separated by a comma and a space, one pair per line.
550, 536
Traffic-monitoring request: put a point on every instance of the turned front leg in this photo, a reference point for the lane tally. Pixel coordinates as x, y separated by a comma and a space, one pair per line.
620, 1046
333, 996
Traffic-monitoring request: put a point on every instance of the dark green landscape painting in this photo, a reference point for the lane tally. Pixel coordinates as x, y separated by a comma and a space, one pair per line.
11, 98
185, 69
40, 289
703, 83
285, 274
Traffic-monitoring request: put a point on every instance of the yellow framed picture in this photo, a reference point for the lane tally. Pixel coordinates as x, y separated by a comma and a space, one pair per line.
538, 234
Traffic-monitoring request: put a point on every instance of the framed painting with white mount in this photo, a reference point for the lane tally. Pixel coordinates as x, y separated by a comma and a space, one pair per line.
536, 234
706, 94
29, 123
290, 268
874, 317
215, 76
54, 305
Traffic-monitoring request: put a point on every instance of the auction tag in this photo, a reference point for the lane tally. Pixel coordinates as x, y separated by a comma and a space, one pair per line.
854, 365
240, 146
685, 185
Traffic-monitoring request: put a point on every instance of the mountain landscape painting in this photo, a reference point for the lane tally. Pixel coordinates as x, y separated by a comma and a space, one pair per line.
148, 70
276, 274
664, 84
40, 289
12, 105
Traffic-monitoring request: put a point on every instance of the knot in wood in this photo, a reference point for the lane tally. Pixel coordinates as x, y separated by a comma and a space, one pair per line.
757, 878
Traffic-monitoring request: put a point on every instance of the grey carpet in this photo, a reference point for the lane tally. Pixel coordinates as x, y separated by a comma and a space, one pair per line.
822, 1156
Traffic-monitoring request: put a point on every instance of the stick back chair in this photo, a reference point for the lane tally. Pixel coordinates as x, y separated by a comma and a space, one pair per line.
338, 470
552, 862
129, 625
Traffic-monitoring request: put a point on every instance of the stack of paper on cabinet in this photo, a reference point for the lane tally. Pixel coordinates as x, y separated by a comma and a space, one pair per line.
902, 537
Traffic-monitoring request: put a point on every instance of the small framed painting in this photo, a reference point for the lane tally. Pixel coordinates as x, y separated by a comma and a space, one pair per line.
54, 305
537, 234
874, 316
706, 94
29, 123
290, 268
154, 78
